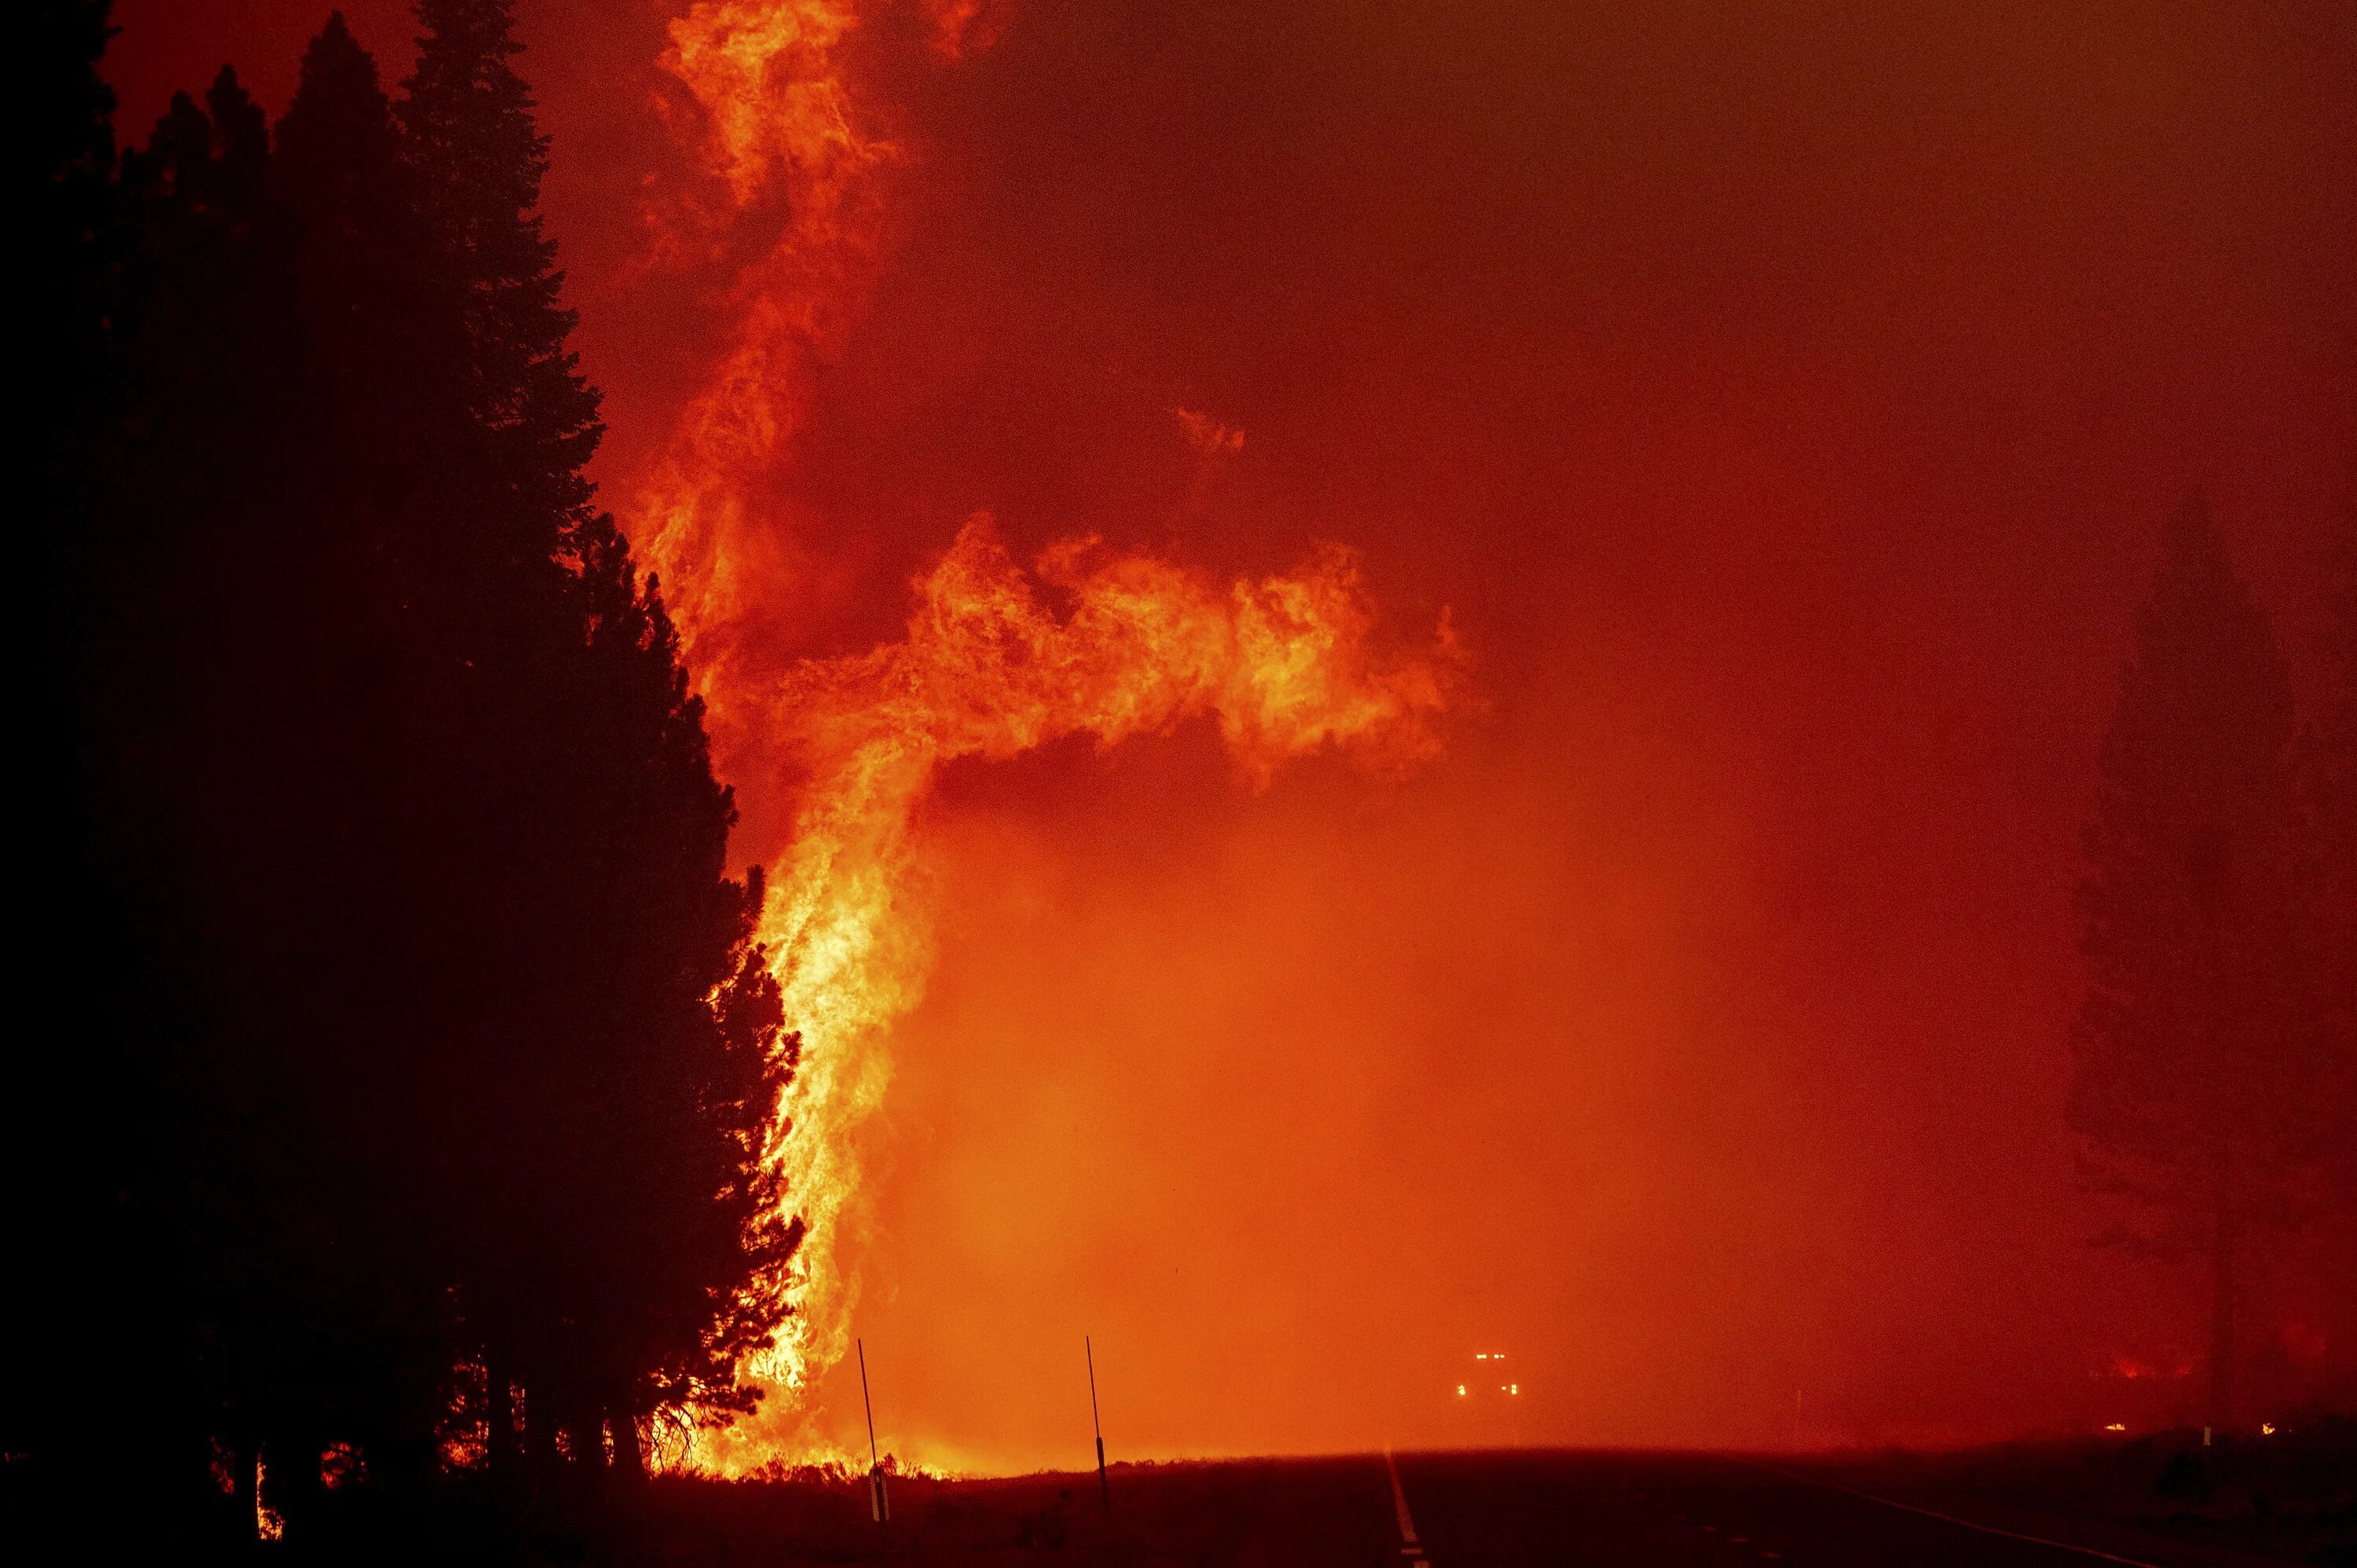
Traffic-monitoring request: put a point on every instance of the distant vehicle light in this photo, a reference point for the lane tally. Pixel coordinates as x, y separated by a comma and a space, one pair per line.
1467, 1391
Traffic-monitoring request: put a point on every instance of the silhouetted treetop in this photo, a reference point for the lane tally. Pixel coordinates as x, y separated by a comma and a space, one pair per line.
337, 154
479, 159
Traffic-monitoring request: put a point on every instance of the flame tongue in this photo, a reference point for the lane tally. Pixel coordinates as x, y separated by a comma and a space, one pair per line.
775, 121
1286, 663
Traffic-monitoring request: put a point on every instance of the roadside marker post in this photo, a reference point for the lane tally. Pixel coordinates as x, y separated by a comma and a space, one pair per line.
879, 1502
1104, 1492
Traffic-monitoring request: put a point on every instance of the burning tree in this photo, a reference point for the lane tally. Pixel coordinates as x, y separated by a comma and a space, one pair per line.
2194, 1091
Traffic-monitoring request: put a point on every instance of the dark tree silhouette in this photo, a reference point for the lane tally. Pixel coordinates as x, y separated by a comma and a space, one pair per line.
625, 1135
476, 159
2194, 1084
2329, 792
243, 791
678, 1027
79, 1156
423, 1051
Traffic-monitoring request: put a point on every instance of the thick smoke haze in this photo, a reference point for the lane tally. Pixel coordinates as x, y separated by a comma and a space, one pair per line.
1784, 403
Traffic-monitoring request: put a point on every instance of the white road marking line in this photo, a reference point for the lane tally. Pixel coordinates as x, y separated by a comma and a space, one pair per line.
1951, 1518
1410, 1546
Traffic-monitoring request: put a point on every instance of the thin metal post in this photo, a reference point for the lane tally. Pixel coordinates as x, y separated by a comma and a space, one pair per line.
1104, 1491
878, 1502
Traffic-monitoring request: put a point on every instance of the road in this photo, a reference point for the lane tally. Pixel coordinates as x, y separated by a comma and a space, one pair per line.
1455, 1510
1604, 1511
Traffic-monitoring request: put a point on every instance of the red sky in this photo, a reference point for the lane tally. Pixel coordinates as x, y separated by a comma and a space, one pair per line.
1786, 401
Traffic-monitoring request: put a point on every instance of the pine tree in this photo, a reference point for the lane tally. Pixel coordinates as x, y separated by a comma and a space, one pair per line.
687, 1249
478, 159
78, 1091
2331, 778
2329, 789
498, 726
70, 232
635, 1061
383, 489
2192, 1096
192, 779
440, 1051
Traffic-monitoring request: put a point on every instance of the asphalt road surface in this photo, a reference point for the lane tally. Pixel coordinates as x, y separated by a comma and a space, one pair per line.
1475, 1511
1436, 1509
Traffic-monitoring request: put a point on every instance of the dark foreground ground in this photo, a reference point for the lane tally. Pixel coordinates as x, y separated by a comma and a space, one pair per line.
2164, 1501
2051, 1506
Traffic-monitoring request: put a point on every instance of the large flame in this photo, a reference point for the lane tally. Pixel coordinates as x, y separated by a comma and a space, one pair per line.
1287, 666
774, 121
996, 660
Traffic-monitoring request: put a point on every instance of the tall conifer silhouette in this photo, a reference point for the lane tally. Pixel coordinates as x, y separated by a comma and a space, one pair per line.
655, 1034
2329, 790
2191, 1093
77, 1154
478, 159
426, 1051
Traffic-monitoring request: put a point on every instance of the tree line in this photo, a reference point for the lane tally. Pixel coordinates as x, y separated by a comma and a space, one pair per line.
2215, 1094
395, 1050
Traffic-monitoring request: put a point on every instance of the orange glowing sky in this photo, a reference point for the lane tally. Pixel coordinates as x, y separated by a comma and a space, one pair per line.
1782, 406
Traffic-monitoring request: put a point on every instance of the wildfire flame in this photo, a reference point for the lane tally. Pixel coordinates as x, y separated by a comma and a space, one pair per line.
1287, 665
774, 121
996, 660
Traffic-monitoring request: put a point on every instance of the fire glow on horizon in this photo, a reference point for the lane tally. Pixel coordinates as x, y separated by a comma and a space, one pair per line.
996, 660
